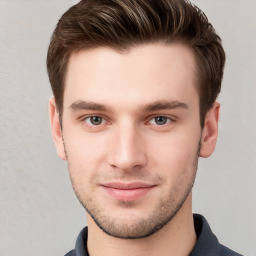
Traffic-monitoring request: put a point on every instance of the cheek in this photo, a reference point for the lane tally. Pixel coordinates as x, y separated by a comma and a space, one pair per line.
84, 153
173, 154
174, 146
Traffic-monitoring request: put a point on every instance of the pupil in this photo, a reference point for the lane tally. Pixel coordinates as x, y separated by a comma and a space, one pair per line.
161, 120
96, 120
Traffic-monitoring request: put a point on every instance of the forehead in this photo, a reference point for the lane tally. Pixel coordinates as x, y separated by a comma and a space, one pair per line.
143, 74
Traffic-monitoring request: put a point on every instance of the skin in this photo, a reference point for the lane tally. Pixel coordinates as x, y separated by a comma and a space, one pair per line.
127, 118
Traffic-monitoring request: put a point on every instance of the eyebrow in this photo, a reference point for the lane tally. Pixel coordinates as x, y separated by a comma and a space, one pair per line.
155, 106
162, 105
86, 105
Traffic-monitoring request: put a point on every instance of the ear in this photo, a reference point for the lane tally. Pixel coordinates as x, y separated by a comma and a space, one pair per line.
210, 131
56, 129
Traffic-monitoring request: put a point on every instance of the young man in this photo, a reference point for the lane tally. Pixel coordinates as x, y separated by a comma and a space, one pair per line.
135, 84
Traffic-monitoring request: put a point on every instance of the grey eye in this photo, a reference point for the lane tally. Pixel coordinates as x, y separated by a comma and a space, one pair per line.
95, 120
160, 120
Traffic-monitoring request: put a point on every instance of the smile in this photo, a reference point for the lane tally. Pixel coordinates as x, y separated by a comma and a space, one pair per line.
127, 192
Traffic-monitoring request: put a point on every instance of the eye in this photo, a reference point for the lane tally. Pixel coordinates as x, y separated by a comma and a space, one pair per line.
160, 120
94, 120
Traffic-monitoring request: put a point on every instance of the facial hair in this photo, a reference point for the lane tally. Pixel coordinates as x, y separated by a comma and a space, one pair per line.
134, 227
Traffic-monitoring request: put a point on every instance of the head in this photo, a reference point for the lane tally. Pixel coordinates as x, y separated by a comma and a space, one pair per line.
135, 84
122, 25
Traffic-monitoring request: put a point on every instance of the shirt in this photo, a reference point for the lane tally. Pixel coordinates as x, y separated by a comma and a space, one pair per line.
207, 243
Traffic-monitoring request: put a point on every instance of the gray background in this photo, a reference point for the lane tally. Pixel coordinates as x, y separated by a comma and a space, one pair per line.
39, 214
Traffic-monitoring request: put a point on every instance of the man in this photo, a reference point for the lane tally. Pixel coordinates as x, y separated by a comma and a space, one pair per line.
135, 84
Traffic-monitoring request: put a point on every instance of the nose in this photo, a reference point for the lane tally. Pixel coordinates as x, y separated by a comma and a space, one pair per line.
127, 150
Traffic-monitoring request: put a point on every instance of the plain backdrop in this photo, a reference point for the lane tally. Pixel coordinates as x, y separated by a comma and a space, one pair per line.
39, 213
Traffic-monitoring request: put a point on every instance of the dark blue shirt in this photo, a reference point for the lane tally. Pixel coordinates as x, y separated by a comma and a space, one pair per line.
207, 243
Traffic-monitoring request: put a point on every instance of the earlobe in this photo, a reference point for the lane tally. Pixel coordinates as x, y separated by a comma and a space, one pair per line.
210, 131
56, 129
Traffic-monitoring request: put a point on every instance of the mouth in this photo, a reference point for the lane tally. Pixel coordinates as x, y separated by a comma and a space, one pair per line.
127, 191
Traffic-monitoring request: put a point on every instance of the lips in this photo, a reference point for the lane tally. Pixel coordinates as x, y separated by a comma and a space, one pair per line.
127, 191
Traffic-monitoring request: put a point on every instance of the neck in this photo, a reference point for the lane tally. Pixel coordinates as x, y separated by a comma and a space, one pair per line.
177, 238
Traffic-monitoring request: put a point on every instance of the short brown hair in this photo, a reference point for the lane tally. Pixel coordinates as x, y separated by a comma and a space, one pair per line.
122, 24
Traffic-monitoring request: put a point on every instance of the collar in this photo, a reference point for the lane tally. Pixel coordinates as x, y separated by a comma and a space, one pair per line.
207, 243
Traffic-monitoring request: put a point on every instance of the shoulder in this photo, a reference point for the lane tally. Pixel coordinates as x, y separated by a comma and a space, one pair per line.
207, 243
224, 251
81, 244
71, 253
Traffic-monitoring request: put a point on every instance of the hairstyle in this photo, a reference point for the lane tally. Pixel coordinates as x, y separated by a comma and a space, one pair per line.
123, 24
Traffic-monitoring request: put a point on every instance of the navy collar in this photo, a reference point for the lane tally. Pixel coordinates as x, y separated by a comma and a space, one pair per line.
207, 243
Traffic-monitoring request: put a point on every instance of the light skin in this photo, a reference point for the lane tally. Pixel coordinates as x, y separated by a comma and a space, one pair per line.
131, 135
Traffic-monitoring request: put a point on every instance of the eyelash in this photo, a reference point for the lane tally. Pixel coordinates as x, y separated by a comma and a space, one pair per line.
91, 117
167, 120
152, 118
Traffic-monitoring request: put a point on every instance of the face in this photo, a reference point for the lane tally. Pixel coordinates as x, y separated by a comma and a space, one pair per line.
131, 134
